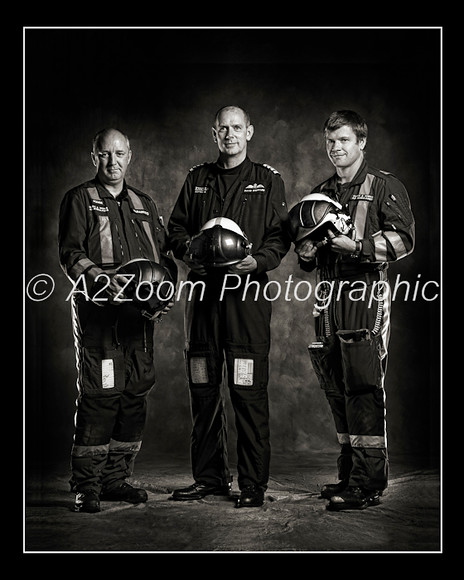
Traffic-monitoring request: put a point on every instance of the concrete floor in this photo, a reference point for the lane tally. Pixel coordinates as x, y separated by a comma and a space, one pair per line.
293, 518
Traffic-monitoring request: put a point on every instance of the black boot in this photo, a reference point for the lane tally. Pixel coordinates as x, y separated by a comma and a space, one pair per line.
354, 498
87, 501
200, 490
250, 496
125, 492
330, 489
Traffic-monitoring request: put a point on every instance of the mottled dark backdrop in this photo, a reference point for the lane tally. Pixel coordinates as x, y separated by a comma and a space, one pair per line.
162, 87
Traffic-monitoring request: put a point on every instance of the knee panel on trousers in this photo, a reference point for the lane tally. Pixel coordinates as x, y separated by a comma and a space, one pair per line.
203, 367
248, 368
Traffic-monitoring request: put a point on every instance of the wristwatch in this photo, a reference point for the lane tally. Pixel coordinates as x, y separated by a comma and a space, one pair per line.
358, 249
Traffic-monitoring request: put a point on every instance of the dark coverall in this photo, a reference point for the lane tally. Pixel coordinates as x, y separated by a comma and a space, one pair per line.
352, 322
113, 343
234, 328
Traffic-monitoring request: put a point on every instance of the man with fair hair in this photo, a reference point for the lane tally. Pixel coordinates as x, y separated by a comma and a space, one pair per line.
350, 354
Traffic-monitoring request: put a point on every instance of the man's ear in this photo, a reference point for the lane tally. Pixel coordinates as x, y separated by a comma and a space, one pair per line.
249, 132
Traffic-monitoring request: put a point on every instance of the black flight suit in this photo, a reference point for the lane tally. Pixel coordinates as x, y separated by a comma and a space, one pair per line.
232, 329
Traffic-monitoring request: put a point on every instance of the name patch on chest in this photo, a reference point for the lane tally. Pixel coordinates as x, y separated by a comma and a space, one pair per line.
201, 189
101, 208
362, 197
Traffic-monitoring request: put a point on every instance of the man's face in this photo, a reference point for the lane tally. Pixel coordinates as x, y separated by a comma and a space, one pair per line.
231, 133
111, 158
343, 147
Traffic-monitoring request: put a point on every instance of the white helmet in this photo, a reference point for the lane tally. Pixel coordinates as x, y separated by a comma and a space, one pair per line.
220, 242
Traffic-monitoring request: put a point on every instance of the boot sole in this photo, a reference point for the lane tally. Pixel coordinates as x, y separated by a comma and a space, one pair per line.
196, 497
89, 510
343, 506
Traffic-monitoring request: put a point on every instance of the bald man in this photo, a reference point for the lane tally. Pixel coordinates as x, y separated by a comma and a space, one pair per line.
103, 224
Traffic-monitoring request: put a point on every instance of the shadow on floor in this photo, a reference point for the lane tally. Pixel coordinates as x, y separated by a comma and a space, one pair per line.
293, 518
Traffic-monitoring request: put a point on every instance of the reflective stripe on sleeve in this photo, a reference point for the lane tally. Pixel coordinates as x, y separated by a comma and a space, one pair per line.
397, 243
80, 267
380, 245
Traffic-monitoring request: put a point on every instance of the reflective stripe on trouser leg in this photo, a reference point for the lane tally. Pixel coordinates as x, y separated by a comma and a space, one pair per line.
366, 413
120, 462
94, 423
87, 462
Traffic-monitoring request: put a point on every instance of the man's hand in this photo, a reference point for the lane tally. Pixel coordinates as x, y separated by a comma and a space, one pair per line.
115, 289
341, 244
245, 266
306, 250
197, 268
158, 315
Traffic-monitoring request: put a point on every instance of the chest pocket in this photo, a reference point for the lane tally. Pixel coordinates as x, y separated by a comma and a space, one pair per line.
253, 204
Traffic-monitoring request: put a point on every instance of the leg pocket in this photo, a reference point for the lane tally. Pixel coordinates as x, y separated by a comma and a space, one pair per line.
362, 369
325, 358
102, 371
142, 374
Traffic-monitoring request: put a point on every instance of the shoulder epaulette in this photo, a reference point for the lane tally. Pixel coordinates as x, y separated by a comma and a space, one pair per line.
197, 166
389, 174
270, 168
